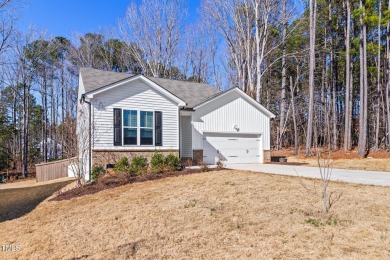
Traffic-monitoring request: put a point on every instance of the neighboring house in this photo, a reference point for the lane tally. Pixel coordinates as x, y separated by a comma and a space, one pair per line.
134, 114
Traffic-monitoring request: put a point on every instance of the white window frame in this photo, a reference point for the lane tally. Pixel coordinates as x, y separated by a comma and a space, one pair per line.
153, 128
138, 127
129, 127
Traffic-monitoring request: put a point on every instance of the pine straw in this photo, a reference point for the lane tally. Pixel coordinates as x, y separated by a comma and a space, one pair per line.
221, 214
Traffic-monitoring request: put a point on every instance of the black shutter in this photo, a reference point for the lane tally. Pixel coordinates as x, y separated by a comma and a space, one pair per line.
158, 128
117, 126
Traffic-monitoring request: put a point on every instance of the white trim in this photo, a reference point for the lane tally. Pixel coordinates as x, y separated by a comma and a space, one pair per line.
160, 89
136, 148
138, 128
231, 132
179, 141
244, 95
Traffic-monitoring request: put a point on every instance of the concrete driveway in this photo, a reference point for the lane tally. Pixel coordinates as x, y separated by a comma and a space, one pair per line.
351, 176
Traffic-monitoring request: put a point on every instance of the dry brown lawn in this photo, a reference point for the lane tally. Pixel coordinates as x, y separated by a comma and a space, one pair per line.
212, 215
19, 198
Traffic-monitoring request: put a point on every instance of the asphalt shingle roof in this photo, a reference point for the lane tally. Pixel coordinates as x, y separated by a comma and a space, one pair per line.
190, 92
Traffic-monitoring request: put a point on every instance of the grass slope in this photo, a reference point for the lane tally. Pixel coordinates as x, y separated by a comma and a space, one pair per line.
224, 214
15, 202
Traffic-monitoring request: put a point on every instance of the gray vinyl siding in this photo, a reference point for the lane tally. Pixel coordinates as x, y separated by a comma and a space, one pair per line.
136, 95
224, 113
186, 137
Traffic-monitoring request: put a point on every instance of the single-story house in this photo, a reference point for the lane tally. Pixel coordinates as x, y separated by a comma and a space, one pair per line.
133, 114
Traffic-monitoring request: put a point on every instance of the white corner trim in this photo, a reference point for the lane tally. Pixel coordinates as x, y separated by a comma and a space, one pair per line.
244, 95
160, 89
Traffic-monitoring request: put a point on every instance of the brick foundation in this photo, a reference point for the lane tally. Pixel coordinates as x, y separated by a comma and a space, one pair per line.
266, 156
104, 157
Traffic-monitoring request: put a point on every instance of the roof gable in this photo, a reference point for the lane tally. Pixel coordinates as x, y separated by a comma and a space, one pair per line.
152, 84
94, 79
243, 95
189, 92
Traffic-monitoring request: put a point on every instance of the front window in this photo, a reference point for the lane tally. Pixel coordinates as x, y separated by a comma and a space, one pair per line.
130, 125
146, 122
138, 127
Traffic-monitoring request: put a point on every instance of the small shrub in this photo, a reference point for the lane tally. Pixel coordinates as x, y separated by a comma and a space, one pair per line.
172, 162
318, 222
219, 164
139, 165
315, 222
332, 222
157, 162
122, 165
97, 172
187, 162
203, 167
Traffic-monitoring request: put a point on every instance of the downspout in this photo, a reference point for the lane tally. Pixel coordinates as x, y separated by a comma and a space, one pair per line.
179, 133
82, 100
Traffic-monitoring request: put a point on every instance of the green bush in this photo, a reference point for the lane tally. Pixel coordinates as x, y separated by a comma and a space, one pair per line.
97, 172
139, 165
172, 162
122, 165
157, 162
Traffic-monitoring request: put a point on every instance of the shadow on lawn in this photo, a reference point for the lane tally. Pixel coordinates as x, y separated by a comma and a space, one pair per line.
17, 202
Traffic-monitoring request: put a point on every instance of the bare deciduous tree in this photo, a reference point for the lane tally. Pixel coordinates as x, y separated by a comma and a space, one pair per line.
348, 85
313, 17
155, 28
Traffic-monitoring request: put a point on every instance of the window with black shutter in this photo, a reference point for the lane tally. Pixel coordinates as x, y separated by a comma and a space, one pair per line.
117, 126
158, 128
134, 127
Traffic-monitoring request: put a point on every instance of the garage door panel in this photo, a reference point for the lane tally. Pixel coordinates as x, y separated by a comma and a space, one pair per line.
231, 148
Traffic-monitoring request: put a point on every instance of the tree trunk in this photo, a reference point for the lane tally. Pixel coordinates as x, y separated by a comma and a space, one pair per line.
348, 85
296, 145
378, 80
313, 10
25, 131
258, 60
15, 135
363, 87
333, 82
388, 83
62, 109
283, 91
44, 141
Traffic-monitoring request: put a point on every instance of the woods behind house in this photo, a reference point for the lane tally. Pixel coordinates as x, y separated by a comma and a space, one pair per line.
323, 67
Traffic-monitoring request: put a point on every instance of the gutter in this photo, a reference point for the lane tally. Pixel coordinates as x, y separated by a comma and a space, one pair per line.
82, 101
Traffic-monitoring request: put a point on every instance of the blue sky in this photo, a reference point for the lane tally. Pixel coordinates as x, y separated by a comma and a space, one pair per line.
63, 17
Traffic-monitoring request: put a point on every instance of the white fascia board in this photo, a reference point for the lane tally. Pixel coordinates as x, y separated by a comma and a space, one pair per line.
160, 89
244, 95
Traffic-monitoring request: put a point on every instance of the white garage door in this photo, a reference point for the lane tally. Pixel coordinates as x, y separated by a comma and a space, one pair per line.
232, 148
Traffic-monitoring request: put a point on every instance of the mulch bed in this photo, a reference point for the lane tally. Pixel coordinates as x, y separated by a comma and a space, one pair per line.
112, 181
